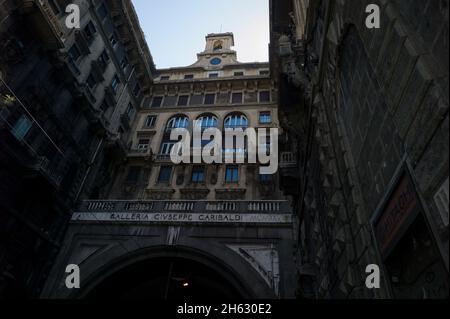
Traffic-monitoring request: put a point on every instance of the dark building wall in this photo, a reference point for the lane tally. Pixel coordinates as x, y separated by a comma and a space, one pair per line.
378, 104
54, 143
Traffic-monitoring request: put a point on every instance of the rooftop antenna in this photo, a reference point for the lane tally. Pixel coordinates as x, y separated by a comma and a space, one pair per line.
221, 28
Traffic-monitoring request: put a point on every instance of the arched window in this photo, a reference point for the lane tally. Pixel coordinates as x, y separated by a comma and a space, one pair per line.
218, 45
207, 121
179, 121
236, 121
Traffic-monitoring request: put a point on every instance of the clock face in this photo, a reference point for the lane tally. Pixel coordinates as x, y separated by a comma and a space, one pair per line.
216, 61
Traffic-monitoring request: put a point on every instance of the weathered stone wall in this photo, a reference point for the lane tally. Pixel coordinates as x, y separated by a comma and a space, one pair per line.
379, 101
386, 98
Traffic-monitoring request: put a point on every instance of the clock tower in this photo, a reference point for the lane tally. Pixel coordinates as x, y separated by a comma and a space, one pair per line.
218, 51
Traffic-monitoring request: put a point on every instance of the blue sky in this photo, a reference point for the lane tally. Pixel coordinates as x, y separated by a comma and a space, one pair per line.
175, 29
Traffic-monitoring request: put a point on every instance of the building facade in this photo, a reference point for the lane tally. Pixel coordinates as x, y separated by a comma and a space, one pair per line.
366, 115
219, 228
69, 98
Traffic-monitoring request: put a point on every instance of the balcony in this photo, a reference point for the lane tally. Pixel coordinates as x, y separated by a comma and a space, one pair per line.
194, 212
47, 169
140, 153
51, 32
162, 158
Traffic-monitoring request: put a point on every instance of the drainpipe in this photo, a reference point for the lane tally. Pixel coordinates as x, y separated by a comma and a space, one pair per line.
91, 163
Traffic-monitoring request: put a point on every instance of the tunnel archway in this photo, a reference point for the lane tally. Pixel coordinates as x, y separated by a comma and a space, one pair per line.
165, 278
166, 273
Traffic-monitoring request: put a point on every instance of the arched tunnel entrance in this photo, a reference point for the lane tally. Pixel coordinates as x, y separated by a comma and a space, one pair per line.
165, 278
167, 273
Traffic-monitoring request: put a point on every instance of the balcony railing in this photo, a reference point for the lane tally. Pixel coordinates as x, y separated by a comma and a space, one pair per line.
288, 160
241, 207
47, 168
49, 15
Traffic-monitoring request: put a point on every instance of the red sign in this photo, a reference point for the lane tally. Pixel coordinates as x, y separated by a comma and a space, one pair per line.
400, 211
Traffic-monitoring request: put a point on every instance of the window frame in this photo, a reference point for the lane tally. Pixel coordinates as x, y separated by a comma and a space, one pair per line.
241, 118
153, 105
90, 31
79, 54
143, 146
209, 95
260, 93
115, 79
234, 174
91, 79
153, 118
198, 174
113, 38
176, 121
183, 96
261, 117
169, 170
233, 94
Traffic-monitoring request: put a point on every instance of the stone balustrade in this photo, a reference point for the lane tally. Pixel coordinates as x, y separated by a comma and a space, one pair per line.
242, 207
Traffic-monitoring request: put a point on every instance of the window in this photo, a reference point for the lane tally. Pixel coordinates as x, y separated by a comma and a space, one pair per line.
178, 122
189, 76
210, 99
236, 121
264, 72
74, 52
265, 117
104, 106
238, 73
102, 12
164, 78
143, 144
206, 122
130, 111
198, 174
232, 174
137, 90
166, 148
113, 40
104, 58
115, 83
91, 81
183, 100
150, 121
22, 127
266, 145
213, 75
157, 101
265, 178
124, 63
165, 174
90, 31
264, 96
133, 174
236, 98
